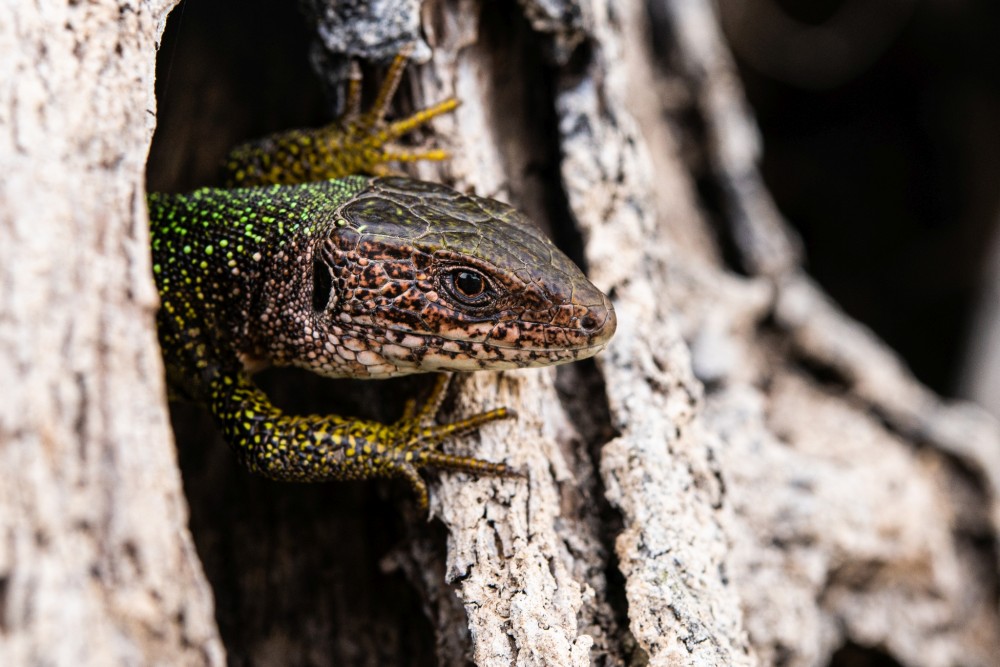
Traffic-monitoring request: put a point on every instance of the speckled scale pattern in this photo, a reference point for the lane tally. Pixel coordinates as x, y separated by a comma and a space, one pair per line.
211, 248
354, 276
224, 261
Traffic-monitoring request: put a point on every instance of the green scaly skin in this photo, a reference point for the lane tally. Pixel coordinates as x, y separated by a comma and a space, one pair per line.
355, 276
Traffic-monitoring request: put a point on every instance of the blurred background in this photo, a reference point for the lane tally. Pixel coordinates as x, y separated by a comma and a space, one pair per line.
881, 128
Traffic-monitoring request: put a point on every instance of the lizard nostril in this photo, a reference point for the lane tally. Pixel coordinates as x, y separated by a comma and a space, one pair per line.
599, 322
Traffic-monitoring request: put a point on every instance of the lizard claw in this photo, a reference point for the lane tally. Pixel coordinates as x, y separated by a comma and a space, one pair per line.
356, 143
417, 439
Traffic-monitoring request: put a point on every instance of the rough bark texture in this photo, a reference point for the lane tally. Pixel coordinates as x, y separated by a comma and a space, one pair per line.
745, 477
97, 566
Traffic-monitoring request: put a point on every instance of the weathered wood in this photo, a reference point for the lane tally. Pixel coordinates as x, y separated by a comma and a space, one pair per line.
96, 563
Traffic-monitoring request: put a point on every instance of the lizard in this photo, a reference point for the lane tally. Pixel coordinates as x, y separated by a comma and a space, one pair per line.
315, 255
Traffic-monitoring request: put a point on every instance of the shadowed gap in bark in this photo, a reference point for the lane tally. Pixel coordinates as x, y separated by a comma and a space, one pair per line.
854, 655
286, 562
694, 133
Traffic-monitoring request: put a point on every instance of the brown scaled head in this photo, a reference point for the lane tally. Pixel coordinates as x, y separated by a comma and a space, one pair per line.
418, 277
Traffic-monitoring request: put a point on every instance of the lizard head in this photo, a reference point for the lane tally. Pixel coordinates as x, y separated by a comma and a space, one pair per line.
417, 277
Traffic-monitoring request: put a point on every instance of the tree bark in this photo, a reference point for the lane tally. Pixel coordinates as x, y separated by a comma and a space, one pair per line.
745, 477
97, 566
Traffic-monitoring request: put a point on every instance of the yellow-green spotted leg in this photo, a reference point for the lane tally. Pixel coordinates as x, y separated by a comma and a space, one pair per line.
319, 448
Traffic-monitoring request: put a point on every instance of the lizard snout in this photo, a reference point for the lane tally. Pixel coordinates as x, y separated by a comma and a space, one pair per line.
600, 322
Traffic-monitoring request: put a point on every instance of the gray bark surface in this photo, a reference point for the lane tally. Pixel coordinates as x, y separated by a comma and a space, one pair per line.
96, 563
745, 477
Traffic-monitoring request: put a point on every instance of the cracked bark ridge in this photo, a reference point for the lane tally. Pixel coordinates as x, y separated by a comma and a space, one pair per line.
764, 243
96, 564
359, 28
777, 485
846, 510
823, 503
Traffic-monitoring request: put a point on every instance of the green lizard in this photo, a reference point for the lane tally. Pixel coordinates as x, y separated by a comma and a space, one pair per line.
301, 261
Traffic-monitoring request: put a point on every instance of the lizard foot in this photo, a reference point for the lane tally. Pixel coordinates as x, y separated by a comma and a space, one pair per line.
418, 440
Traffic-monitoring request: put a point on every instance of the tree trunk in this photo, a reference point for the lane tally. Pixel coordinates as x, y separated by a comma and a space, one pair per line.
97, 566
745, 477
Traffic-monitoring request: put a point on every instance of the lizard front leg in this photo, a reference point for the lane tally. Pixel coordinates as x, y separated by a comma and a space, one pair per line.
319, 448
356, 143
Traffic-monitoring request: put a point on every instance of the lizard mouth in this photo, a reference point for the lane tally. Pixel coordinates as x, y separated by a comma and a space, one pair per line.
365, 350
453, 344
533, 341
589, 335
414, 352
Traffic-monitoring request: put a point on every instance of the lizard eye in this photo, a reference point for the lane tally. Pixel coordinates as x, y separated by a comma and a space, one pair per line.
469, 284
467, 287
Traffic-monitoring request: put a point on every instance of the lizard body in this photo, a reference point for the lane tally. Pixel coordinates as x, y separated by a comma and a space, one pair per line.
355, 276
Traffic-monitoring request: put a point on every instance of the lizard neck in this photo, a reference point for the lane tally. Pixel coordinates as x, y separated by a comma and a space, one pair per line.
209, 248
241, 250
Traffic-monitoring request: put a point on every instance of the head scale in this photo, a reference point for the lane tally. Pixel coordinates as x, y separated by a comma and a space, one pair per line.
415, 276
